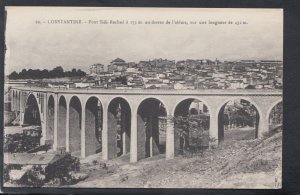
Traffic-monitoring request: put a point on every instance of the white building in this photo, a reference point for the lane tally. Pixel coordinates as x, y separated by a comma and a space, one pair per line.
96, 68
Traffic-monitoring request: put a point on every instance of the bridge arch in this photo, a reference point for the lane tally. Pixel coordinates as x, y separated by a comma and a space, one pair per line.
190, 98
191, 109
93, 125
27, 96
220, 116
62, 120
274, 110
75, 115
151, 128
119, 126
32, 112
279, 101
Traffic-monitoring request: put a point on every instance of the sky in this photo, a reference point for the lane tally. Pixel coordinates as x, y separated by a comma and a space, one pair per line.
45, 46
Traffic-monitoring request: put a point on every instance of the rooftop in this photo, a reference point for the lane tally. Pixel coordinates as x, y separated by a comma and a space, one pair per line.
118, 60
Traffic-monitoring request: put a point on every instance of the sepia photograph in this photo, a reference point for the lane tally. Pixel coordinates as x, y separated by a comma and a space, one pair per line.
119, 97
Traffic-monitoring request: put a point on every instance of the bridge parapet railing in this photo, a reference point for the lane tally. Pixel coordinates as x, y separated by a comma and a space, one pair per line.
262, 92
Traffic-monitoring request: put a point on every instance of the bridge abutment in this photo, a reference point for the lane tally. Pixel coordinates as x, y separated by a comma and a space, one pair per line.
213, 127
21, 113
170, 138
55, 128
133, 135
83, 146
68, 126
105, 132
61, 127
44, 123
263, 124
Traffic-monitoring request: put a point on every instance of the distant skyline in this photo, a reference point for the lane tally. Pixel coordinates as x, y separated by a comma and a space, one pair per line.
45, 46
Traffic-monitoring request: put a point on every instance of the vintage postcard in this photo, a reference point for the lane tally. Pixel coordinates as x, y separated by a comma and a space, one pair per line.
99, 97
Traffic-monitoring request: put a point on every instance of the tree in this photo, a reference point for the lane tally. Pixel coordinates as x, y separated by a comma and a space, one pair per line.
122, 79
240, 114
56, 72
80, 73
250, 87
23, 74
181, 129
194, 111
191, 131
45, 73
14, 75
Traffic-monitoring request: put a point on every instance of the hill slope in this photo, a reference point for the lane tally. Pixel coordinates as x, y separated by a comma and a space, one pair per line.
234, 164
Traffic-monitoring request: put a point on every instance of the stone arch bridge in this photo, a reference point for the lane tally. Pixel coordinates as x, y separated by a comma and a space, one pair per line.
70, 117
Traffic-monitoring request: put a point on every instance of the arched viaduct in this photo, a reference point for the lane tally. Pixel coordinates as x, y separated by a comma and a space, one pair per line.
84, 120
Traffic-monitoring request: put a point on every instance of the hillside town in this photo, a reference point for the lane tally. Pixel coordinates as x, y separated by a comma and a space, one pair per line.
170, 74
188, 74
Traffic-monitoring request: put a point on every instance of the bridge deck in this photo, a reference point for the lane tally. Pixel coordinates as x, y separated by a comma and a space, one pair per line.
259, 92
